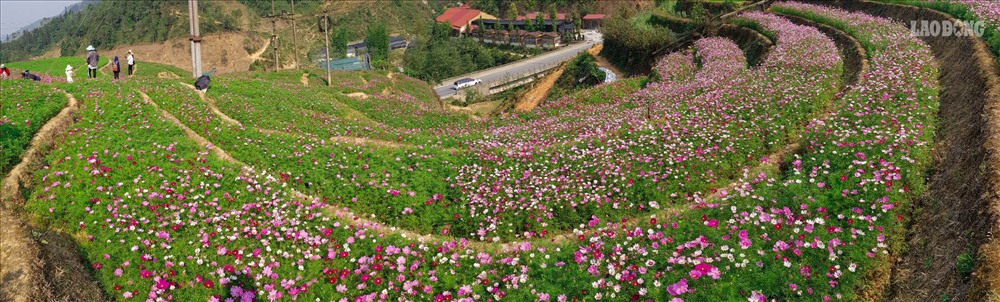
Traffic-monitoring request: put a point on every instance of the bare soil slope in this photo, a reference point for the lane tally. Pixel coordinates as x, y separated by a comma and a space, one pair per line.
230, 52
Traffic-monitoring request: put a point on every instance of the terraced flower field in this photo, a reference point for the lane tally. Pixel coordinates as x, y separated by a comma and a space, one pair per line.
712, 180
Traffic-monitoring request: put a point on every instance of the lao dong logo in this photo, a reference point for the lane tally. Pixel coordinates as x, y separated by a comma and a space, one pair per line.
934, 28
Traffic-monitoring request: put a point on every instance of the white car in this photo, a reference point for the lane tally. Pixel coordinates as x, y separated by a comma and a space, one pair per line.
467, 82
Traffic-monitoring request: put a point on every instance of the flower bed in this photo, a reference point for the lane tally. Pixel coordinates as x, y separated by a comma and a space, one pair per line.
26, 107
558, 171
160, 218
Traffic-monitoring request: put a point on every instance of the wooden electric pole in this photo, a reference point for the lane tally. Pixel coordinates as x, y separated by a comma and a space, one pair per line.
274, 36
326, 35
295, 43
195, 38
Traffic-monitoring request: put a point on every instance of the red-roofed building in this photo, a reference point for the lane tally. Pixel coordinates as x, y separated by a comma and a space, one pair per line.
462, 17
593, 21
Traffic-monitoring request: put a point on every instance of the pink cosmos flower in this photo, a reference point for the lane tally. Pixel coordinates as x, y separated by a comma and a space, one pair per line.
678, 288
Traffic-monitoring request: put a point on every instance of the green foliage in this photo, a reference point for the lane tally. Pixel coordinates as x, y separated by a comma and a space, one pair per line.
674, 23
630, 44
553, 13
56, 66
966, 264
498, 7
338, 42
424, 61
540, 20
512, 14
580, 73
473, 96
26, 107
377, 41
264, 7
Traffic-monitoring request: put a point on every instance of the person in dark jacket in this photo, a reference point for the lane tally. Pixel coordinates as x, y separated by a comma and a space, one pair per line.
92, 61
116, 67
27, 75
204, 81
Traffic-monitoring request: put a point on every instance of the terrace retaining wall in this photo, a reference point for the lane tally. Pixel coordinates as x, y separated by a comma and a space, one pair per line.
960, 213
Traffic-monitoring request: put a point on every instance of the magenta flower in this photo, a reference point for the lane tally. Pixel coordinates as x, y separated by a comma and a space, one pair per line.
678, 288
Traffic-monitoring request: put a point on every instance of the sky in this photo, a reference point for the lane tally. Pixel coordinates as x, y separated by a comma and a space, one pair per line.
15, 14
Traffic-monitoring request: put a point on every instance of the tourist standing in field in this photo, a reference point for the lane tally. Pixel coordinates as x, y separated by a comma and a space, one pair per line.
116, 67
131, 62
69, 74
4, 72
92, 59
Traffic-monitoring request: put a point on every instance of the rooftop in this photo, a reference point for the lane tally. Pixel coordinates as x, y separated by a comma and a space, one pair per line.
458, 16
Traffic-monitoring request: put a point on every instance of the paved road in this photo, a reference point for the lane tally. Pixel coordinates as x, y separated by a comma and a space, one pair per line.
520, 68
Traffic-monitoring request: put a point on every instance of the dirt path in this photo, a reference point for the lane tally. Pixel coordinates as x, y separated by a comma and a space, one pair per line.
29, 271
221, 154
212, 105
364, 141
477, 111
358, 95
539, 91
961, 208
256, 55
167, 75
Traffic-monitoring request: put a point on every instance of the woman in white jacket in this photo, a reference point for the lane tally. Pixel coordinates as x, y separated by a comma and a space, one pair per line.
69, 74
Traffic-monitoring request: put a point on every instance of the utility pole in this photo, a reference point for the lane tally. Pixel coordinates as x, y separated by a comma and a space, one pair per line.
274, 35
195, 38
326, 34
295, 43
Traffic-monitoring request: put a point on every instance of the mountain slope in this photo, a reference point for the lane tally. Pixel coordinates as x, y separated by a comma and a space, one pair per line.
106, 24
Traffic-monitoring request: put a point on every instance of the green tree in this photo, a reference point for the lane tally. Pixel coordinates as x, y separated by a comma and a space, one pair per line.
628, 44
441, 31
553, 15
540, 20
482, 30
512, 15
577, 23
530, 25
377, 42
338, 42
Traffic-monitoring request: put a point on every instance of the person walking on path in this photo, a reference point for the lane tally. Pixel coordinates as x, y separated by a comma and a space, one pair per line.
92, 61
116, 67
69, 74
4, 72
131, 62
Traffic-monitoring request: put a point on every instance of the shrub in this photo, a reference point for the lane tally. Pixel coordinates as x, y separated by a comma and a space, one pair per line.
966, 264
631, 45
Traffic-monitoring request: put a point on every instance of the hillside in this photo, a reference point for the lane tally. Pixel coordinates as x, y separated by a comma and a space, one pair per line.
106, 24
122, 24
236, 28
850, 160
